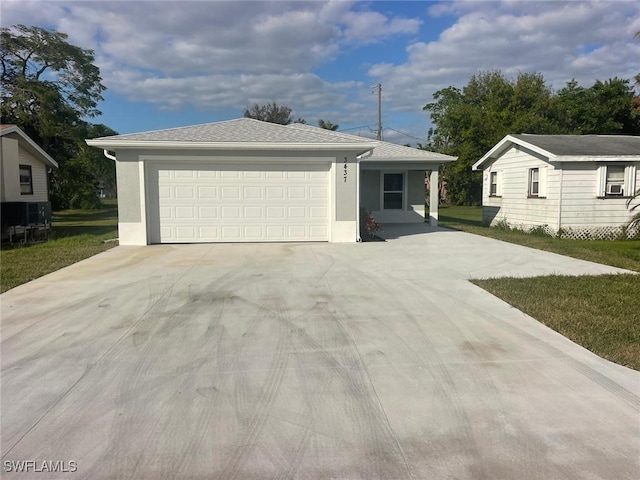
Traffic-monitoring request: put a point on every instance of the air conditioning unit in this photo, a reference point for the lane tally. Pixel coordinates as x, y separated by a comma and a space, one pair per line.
614, 189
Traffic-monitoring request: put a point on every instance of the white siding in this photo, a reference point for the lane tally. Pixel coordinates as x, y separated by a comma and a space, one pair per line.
39, 177
9, 173
513, 204
581, 204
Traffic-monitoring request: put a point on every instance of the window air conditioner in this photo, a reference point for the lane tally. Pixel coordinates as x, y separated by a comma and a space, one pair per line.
614, 189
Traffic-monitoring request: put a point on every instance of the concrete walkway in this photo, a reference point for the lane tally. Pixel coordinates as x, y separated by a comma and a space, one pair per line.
311, 361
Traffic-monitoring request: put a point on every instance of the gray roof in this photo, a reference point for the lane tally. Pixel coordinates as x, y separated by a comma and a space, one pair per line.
591, 145
568, 148
389, 151
241, 130
247, 133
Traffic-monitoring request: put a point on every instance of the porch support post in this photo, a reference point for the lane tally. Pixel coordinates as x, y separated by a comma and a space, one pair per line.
434, 190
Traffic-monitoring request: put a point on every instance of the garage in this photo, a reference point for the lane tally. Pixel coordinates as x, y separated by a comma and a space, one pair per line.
240, 180
217, 202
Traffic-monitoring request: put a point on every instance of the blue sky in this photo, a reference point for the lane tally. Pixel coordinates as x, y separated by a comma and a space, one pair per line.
168, 64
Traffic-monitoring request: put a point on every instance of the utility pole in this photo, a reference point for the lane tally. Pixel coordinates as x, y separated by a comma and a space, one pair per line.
378, 87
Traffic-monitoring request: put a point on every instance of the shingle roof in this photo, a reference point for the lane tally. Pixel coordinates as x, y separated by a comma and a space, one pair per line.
591, 145
569, 148
249, 133
241, 130
389, 151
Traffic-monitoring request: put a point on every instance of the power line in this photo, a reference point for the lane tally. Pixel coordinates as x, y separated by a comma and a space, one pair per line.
405, 134
356, 128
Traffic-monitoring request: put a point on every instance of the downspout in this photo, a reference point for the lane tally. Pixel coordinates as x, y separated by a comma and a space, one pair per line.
108, 155
358, 158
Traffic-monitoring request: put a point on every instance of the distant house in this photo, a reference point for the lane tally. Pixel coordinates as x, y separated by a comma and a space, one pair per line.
24, 183
576, 186
244, 180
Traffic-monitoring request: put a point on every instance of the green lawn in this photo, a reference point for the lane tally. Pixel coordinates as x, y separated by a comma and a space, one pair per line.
598, 312
618, 253
75, 235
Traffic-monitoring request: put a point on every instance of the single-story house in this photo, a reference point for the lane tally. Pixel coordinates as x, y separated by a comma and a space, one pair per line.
575, 186
244, 180
24, 182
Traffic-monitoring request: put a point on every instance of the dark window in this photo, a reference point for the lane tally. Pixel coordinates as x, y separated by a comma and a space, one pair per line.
393, 194
534, 182
26, 180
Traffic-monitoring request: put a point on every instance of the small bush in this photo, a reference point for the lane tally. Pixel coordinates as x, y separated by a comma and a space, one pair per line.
502, 225
368, 225
540, 231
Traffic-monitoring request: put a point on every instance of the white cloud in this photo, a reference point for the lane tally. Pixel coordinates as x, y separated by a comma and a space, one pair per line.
582, 40
370, 27
218, 55
213, 54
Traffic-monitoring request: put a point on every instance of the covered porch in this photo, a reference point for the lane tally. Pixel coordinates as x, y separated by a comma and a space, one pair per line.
393, 184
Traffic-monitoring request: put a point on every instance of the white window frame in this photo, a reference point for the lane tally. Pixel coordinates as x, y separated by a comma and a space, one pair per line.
628, 184
614, 188
542, 182
403, 191
493, 192
25, 183
530, 182
498, 183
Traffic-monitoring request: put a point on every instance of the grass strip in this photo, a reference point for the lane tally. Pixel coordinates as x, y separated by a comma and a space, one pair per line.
75, 235
600, 313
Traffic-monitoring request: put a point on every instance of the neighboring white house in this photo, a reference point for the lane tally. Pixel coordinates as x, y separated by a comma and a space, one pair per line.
576, 186
24, 180
244, 180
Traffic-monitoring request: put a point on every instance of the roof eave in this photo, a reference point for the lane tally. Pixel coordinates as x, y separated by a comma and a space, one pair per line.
410, 160
504, 144
597, 158
155, 145
31, 145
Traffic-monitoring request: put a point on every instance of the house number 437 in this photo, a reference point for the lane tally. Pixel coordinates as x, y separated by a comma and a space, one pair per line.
345, 172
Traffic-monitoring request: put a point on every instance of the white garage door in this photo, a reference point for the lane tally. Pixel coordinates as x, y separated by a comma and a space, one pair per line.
260, 203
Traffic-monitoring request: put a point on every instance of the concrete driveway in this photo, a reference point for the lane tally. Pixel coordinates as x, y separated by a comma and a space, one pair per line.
310, 361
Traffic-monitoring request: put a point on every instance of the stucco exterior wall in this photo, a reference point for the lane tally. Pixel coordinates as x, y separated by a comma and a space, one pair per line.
416, 191
132, 183
370, 189
371, 195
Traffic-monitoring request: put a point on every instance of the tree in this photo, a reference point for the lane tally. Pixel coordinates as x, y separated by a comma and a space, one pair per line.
87, 173
637, 77
606, 107
37, 63
47, 87
301, 120
270, 112
468, 122
328, 125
